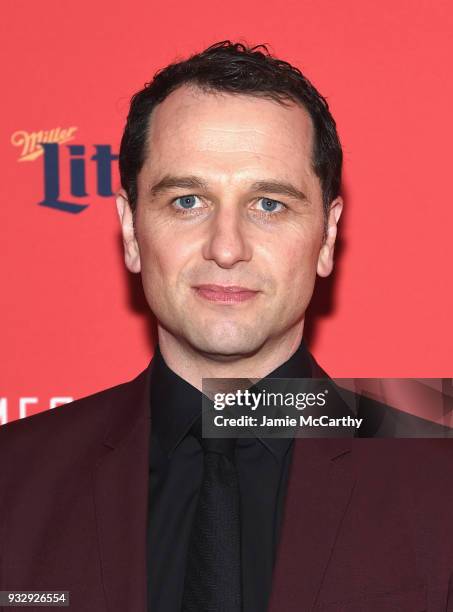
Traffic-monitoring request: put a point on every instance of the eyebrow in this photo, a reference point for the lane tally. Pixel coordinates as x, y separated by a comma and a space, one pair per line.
169, 182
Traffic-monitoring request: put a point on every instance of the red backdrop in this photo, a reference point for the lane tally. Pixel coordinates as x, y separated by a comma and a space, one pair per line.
69, 325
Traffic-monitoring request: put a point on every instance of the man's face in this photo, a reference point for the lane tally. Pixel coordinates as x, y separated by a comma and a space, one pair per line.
228, 255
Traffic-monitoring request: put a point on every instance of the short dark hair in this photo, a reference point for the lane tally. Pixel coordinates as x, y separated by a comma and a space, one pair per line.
234, 68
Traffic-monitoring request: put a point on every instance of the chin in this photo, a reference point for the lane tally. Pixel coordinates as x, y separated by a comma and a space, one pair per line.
227, 340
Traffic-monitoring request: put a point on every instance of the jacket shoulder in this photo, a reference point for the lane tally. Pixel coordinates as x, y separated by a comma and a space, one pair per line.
420, 465
80, 420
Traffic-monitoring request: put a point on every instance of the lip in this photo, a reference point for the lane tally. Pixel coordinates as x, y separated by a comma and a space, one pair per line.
226, 294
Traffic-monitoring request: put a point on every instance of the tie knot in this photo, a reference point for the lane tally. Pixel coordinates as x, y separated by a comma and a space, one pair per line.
221, 446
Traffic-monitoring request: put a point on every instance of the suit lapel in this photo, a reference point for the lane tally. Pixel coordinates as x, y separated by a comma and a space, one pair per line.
319, 489
120, 480
320, 485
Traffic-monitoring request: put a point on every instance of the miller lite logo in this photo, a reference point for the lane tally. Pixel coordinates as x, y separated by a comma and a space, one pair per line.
67, 162
29, 143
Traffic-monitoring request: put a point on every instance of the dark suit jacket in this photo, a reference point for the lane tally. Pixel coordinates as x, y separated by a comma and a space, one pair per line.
368, 523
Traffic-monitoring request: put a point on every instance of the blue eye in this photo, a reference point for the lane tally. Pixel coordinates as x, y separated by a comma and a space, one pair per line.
269, 205
186, 201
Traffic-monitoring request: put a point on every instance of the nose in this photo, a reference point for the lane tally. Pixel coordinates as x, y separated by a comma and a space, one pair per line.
227, 243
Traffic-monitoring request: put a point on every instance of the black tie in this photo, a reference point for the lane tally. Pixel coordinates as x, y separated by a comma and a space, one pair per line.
213, 569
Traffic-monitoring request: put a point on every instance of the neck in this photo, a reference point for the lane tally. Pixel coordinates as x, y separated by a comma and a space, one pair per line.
193, 365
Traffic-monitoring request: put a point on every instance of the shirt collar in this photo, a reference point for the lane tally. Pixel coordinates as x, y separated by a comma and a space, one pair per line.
176, 404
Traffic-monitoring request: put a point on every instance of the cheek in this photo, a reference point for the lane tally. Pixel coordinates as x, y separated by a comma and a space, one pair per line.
163, 259
297, 281
292, 262
298, 275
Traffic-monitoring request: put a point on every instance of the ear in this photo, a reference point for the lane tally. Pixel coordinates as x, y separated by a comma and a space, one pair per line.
325, 258
131, 251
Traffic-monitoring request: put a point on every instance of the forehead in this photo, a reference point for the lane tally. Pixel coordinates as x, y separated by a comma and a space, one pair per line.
197, 130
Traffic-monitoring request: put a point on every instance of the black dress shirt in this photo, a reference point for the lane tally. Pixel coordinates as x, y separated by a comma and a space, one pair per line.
175, 474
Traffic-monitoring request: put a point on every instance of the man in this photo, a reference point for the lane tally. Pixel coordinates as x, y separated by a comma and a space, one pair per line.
231, 169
